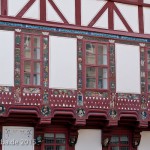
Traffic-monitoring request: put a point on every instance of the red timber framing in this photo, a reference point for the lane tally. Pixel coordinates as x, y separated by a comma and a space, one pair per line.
93, 107
110, 5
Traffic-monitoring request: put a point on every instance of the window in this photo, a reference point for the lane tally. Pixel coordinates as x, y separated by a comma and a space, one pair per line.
31, 59
119, 142
96, 62
55, 141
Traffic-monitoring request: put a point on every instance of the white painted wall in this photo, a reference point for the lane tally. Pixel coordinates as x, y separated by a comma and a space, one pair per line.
67, 7
130, 13
51, 14
102, 22
63, 63
6, 58
15, 138
14, 6
127, 68
89, 139
34, 11
147, 1
89, 8
144, 144
118, 24
146, 14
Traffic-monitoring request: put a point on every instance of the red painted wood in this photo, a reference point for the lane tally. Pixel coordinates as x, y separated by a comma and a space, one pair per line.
141, 19
122, 19
78, 12
4, 7
58, 12
25, 8
67, 26
43, 10
98, 15
110, 16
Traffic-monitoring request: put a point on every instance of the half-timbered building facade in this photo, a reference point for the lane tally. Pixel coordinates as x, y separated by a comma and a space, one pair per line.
75, 74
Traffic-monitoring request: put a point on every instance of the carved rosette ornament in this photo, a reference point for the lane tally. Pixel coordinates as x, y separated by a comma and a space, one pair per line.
2, 109
45, 110
143, 115
80, 112
113, 113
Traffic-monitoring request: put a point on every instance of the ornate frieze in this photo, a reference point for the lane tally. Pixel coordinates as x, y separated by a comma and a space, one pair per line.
17, 95
5, 89
17, 59
32, 90
80, 64
128, 96
142, 68
45, 61
112, 66
96, 94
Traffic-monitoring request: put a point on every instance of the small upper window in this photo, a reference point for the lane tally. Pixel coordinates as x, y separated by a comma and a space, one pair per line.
31, 60
54, 141
96, 62
119, 142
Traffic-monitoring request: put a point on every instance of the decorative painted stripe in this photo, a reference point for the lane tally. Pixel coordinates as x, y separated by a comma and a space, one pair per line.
71, 31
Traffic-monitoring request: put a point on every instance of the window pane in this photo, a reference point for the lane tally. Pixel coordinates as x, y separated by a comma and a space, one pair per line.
60, 147
90, 72
90, 59
60, 139
36, 79
102, 59
90, 77
90, 48
36, 53
102, 78
115, 148
90, 54
49, 147
27, 66
37, 67
36, 41
114, 140
27, 79
102, 54
27, 52
27, 41
124, 140
148, 54
49, 138
124, 148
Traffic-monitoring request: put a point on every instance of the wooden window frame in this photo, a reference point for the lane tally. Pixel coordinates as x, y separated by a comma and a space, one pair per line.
118, 132
55, 144
31, 60
119, 142
96, 65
